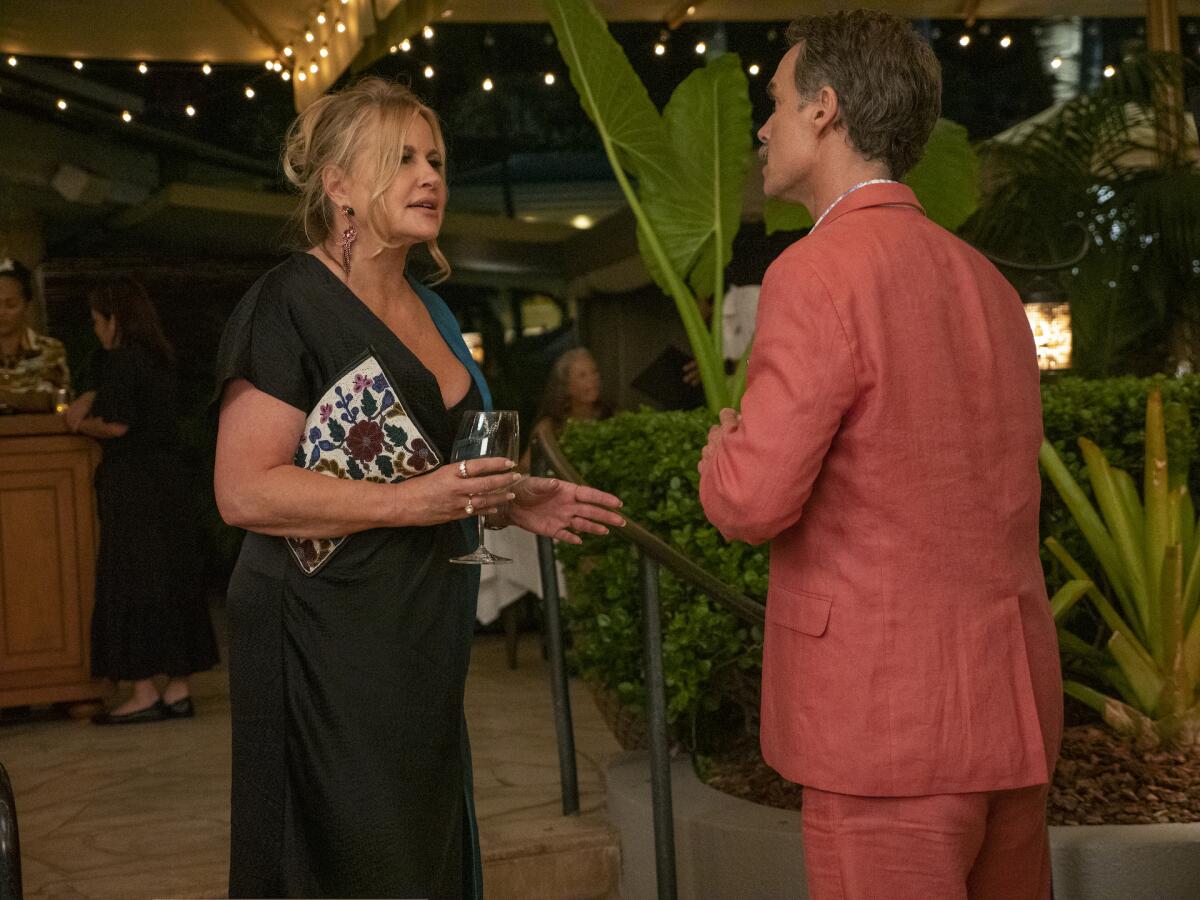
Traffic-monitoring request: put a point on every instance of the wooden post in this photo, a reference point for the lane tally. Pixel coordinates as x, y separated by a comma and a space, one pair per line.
1162, 25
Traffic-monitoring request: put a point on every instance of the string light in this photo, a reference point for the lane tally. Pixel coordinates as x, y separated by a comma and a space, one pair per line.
190, 110
321, 19
276, 66
1056, 63
754, 69
406, 45
691, 10
582, 222
78, 64
288, 51
1110, 71
964, 41
143, 68
324, 51
429, 73
126, 117
285, 75
701, 48
341, 27
488, 84
309, 37
344, 2
12, 61
61, 104
549, 78
313, 67
207, 69
427, 32
249, 92
660, 48
302, 75
1006, 41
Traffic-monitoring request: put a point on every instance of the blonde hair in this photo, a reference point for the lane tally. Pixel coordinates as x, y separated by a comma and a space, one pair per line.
361, 128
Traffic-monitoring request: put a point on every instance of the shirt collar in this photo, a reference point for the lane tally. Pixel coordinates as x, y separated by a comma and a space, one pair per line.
893, 194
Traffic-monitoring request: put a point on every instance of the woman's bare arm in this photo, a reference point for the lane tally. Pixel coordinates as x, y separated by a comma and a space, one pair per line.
259, 488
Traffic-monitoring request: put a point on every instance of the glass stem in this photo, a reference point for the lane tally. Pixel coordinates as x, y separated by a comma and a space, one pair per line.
481, 530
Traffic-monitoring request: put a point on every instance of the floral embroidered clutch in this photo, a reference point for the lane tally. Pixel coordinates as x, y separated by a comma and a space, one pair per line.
360, 429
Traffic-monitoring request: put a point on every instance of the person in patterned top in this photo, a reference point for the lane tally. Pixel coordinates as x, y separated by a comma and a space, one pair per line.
32, 366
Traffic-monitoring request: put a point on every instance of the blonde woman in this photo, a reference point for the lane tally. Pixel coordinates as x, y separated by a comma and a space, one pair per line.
572, 392
351, 769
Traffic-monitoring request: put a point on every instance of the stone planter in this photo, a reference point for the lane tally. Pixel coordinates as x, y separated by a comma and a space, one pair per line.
729, 847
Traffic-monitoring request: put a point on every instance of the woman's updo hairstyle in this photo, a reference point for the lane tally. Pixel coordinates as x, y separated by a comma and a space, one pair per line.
360, 129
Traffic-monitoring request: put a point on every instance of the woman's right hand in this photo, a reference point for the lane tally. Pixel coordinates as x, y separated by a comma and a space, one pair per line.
444, 494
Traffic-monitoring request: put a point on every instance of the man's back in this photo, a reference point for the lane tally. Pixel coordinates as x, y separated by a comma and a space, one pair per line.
909, 647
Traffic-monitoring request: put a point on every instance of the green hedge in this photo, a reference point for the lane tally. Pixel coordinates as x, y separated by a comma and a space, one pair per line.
649, 460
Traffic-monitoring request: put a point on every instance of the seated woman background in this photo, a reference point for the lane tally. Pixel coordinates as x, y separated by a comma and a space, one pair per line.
573, 392
32, 366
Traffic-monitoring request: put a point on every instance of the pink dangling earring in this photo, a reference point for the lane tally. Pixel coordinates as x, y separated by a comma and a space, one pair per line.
349, 236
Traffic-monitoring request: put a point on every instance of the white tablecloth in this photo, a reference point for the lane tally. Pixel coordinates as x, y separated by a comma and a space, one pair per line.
503, 584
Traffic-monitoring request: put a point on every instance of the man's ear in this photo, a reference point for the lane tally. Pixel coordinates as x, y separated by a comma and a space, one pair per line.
336, 185
825, 109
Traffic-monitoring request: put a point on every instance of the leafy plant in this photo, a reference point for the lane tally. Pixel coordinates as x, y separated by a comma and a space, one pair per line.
683, 172
1120, 171
1149, 550
946, 181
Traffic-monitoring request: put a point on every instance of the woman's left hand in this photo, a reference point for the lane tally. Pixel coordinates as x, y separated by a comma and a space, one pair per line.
558, 509
78, 411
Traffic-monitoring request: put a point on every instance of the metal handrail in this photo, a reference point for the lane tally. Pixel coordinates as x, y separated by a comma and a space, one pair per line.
653, 553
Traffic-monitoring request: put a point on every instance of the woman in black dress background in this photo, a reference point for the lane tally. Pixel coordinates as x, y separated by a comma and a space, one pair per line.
150, 617
351, 767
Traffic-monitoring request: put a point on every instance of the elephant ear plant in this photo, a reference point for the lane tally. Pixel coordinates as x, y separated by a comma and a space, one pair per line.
1149, 550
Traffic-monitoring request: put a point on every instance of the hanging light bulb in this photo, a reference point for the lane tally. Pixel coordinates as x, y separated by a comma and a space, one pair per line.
249, 92
392, 49
12, 61
313, 67
1056, 63
288, 51
488, 84
691, 10
309, 36
964, 41
302, 75
754, 69
143, 68
190, 110
126, 117
1110, 71
78, 64
1006, 41
429, 73
660, 48
324, 51
406, 45
285, 75
61, 104
207, 69
549, 78
341, 27
276, 66
321, 19
701, 48
427, 32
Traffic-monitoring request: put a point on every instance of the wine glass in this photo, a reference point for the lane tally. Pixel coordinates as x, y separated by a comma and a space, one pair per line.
481, 434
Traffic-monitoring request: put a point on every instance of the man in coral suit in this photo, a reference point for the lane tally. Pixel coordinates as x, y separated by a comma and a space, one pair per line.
887, 447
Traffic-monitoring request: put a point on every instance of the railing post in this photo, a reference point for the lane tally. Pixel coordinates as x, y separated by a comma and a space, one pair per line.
10, 842
559, 687
656, 714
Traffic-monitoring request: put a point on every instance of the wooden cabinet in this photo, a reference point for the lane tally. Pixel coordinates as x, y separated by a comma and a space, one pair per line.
48, 540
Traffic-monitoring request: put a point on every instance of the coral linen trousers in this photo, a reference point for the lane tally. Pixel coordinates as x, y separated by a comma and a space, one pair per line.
887, 449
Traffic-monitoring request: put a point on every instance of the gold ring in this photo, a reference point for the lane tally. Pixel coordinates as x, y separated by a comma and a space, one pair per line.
470, 507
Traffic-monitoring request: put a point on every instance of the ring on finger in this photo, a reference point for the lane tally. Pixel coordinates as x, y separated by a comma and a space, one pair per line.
470, 507
462, 469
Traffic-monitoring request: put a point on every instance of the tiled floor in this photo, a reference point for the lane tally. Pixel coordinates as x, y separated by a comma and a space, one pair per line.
143, 811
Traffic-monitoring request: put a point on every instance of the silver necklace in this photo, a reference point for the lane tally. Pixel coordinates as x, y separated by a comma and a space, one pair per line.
845, 194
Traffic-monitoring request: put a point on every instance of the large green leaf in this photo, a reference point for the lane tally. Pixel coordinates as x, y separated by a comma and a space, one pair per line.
946, 181
698, 211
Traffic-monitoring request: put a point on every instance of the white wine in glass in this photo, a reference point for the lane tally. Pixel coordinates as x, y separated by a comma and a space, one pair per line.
484, 434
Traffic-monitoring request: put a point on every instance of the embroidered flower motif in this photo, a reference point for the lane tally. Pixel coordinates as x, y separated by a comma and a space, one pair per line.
365, 441
361, 383
422, 456
379, 383
326, 412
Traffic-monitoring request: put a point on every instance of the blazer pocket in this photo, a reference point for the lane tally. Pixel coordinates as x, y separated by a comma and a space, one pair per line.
798, 610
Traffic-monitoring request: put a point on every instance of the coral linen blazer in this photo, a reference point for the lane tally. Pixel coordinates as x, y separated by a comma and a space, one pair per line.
888, 450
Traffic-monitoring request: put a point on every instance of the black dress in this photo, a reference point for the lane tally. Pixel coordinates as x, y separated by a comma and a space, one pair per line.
150, 616
351, 770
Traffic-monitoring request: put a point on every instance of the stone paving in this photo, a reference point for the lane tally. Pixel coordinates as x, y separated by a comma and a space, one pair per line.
143, 811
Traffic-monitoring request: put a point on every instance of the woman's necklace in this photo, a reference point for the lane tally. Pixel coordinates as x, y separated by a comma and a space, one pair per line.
845, 194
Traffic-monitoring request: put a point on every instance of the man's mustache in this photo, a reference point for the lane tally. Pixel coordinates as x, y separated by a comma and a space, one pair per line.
762, 153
